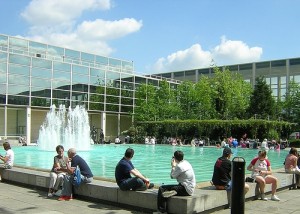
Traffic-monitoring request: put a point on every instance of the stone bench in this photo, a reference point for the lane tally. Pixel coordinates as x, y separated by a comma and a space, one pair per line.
204, 199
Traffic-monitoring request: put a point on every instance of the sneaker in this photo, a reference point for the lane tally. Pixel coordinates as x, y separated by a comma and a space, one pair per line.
168, 194
275, 198
65, 198
50, 194
151, 185
263, 197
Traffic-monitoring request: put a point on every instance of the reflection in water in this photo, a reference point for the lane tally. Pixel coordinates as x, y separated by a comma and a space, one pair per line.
201, 150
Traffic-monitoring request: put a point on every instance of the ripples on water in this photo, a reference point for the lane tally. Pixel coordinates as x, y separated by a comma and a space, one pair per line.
154, 161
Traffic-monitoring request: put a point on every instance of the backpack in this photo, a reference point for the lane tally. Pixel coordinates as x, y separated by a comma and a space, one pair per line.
76, 177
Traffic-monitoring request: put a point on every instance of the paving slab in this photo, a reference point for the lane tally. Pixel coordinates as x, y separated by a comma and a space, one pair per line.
288, 204
19, 199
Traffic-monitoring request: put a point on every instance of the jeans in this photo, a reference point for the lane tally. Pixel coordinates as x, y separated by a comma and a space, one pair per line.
67, 185
132, 183
162, 202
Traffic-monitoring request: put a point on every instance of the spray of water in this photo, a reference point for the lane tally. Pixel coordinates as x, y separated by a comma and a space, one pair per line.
68, 128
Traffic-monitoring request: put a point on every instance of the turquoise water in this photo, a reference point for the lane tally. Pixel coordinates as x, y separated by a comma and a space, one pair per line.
151, 160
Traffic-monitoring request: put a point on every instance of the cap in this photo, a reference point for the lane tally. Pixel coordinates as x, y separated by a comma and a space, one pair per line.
227, 151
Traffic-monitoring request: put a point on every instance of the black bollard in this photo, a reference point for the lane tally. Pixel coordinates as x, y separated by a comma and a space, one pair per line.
238, 186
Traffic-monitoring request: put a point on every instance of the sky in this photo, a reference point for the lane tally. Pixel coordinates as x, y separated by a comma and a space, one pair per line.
161, 35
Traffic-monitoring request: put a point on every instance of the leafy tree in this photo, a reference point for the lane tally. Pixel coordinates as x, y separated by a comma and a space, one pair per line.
291, 103
165, 99
231, 94
206, 106
146, 108
262, 104
186, 97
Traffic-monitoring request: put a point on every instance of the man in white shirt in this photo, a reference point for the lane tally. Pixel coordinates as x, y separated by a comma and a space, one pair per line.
183, 172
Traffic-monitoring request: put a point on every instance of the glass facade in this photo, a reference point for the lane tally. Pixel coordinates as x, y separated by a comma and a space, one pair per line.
36, 76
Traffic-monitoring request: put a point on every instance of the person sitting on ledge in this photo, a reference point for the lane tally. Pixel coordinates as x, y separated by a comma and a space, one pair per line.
9, 157
222, 174
183, 172
123, 172
56, 175
262, 173
86, 174
290, 165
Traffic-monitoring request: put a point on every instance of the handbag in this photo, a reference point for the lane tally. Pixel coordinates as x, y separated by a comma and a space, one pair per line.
76, 177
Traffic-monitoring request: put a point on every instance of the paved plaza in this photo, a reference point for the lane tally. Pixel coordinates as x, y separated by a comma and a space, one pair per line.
17, 199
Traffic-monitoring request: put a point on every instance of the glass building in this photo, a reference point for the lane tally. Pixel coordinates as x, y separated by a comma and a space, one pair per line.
34, 76
277, 73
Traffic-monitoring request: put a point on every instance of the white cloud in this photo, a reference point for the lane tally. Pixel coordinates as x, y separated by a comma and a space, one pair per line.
228, 52
74, 42
232, 52
108, 30
192, 57
57, 22
51, 12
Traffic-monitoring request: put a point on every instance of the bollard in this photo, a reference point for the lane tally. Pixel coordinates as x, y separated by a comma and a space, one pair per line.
238, 186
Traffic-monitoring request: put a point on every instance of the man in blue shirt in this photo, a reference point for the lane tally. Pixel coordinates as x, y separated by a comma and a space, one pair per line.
86, 174
123, 172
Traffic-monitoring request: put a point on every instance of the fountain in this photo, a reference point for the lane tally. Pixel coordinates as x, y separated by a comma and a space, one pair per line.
68, 128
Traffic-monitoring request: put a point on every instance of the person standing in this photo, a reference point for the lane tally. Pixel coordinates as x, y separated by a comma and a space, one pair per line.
262, 174
56, 174
125, 169
101, 136
183, 172
86, 174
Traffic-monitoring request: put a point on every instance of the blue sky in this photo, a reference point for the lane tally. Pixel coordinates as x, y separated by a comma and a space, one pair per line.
161, 35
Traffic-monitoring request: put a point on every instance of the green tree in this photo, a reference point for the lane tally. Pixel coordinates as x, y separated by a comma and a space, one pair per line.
205, 108
262, 104
291, 103
146, 108
231, 94
187, 99
167, 107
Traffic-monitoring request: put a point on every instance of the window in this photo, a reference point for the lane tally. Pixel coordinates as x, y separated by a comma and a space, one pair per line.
42, 63
80, 69
18, 59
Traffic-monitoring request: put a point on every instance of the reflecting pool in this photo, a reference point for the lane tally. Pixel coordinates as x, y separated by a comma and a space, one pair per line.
151, 160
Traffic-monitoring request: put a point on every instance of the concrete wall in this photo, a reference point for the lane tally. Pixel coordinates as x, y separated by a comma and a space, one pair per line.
111, 127
37, 119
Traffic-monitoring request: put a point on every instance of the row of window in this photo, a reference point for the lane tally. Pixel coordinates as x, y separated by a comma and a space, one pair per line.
46, 102
30, 48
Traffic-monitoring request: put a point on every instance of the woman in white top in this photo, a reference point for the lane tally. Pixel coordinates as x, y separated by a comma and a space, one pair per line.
262, 174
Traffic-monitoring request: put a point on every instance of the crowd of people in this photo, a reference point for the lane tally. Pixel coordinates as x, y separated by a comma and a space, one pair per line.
253, 143
63, 176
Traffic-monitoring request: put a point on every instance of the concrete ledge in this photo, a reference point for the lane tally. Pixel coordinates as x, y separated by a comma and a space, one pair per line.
204, 199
